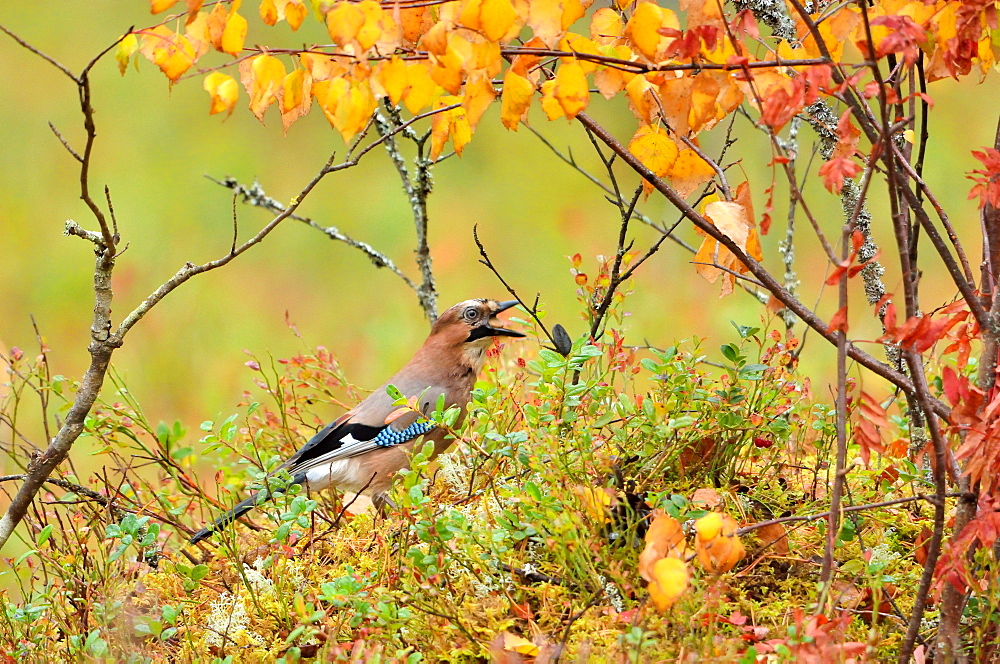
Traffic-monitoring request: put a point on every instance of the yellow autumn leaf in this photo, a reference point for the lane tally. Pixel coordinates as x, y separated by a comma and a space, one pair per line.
718, 547
609, 82
421, 88
371, 30
265, 78
571, 89
642, 97
450, 124
234, 34
293, 90
435, 40
520, 645
484, 55
732, 220
321, 67
477, 95
224, 91
344, 21
170, 51
296, 97
670, 580
572, 10
515, 99
127, 47
642, 28
606, 26
442, 125
157, 6
550, 105
392, 76
198, 34
295, 13
689, 171
655, 150
575, 43
595, 502
545, 19
354, 110
268, 12
461, 132
328, 94
496, 18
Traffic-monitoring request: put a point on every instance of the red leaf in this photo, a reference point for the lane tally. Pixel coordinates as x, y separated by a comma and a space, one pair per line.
836, 170
951, 383
839, 321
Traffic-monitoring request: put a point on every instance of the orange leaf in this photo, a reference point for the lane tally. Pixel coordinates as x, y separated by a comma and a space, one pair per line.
609, 81
835, 171
477, 96
664, 538
706, 498
689, 172
731, 219
774, 536
217, 19
718, 547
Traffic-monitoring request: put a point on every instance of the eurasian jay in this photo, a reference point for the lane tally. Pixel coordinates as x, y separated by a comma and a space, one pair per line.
362, 449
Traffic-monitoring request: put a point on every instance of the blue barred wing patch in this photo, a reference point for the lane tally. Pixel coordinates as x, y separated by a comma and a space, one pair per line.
389, 437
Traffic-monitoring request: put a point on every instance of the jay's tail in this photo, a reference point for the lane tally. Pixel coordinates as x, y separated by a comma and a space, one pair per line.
239, 510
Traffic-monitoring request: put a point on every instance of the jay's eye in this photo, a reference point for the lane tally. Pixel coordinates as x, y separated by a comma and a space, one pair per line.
470, 314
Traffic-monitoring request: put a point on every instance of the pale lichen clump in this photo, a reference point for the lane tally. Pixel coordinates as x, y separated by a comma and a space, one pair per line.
230, 621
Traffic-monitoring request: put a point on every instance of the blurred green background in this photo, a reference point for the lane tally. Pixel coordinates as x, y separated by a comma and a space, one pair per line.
185, 360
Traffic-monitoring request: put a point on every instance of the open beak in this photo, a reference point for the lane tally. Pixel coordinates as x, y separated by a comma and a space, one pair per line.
502, 331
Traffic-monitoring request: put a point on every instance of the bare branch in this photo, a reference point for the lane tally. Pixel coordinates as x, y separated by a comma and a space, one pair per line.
190, 269
65, 143
256, 196
52, 61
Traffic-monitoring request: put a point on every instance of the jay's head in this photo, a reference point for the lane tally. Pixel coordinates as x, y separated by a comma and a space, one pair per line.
474, 323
